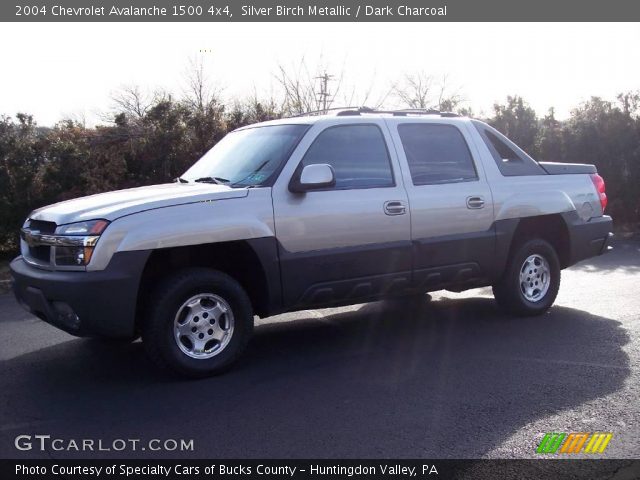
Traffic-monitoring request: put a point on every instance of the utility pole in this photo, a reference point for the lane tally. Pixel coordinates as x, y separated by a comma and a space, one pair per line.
324, 92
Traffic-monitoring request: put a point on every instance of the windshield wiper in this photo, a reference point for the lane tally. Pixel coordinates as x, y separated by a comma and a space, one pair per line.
180, 180
216, 180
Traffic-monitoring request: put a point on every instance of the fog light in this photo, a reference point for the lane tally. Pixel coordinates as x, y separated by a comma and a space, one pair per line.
68, 256
66, 315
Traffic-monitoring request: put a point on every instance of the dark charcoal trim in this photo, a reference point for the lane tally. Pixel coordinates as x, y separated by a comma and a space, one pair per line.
340, 274
354, 290
253, 262
457, 277
505, 231
587, 238
266, 250
105, 301
455, 262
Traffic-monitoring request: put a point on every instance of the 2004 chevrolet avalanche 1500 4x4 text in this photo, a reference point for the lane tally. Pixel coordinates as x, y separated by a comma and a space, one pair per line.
310, 212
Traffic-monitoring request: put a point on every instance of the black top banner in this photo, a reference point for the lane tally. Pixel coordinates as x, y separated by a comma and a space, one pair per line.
318, 11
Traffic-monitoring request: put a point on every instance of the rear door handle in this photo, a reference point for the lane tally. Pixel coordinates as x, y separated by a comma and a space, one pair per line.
475, 202
395, 207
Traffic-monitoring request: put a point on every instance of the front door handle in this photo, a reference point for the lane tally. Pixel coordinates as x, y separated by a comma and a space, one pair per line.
475, 202
395, 207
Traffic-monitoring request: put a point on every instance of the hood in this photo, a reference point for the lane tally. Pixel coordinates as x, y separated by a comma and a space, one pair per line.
112, 205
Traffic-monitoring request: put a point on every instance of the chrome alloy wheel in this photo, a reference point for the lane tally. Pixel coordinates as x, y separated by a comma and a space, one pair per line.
535, 277
203, 326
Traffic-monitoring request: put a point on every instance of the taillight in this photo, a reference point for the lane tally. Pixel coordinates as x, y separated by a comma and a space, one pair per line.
598, 182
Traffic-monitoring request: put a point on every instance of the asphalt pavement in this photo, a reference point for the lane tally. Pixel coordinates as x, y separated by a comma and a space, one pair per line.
453, 377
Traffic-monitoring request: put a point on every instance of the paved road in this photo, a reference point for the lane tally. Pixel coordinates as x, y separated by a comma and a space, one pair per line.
453, 377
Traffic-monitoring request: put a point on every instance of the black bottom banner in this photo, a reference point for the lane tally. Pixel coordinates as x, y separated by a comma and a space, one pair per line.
316, 469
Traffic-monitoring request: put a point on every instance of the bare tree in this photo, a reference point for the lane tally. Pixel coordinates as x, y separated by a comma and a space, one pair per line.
306, 89
449, 99
133, 101
200, 94
369, 95
421, 91
299, 89
414, 91
310, 87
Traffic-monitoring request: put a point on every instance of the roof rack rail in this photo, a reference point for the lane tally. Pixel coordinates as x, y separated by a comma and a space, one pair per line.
358, 111
322, 112
398, 113
424, 111
355, 111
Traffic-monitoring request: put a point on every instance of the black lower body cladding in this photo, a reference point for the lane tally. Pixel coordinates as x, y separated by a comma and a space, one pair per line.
585, 238
101, 303
588, 238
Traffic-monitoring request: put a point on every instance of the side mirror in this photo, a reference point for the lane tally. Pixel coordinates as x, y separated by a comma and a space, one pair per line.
313, 177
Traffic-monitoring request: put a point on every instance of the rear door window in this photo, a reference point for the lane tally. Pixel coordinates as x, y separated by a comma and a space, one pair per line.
436, 153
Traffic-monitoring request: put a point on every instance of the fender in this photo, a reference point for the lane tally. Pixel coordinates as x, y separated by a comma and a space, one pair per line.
533, 204
222, 220
522, 205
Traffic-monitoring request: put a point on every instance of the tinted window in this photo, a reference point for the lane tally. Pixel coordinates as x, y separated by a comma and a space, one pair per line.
510, 159
357, 153
436, 153
504, 152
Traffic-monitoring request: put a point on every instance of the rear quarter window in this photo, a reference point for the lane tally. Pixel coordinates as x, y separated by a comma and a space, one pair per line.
511, 160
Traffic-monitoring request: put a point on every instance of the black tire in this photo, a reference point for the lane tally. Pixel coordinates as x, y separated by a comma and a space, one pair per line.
508, 291
158, 328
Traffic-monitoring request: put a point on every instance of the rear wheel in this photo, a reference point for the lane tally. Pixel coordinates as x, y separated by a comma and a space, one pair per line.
199, 322
531, 280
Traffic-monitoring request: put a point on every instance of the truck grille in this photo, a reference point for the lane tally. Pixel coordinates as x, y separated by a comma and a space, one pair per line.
42, 248
41, 226
39, 254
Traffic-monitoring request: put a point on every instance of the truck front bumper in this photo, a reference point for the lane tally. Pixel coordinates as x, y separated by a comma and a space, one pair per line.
101, 303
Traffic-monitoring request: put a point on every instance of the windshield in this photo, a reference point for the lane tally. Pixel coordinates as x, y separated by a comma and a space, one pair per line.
247, 157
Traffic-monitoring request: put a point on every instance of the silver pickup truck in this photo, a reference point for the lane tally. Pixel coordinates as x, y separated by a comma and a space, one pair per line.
310, 212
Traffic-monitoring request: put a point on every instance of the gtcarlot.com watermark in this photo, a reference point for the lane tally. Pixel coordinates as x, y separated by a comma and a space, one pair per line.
45, 443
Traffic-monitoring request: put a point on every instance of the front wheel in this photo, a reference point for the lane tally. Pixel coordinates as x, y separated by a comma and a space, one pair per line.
531, 280
199, 322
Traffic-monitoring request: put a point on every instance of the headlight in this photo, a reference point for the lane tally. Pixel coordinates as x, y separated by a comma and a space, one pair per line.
92, 227
76, 241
